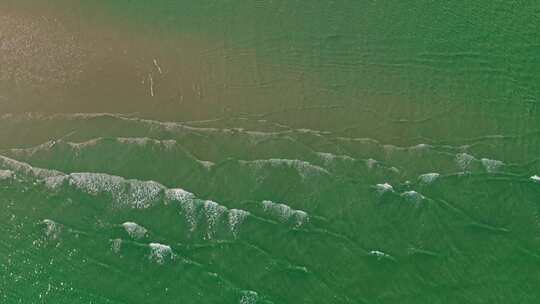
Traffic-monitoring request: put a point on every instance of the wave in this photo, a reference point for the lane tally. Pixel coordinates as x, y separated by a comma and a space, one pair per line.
217, 144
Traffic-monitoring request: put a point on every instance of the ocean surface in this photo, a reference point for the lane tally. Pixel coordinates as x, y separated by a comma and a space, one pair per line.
273, 151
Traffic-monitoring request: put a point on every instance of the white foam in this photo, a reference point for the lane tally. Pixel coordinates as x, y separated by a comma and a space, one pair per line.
90, 143
96, 183
362, 140
464, 160
153, 125
379, 254
371, 163
255, 137
300, 217
139, 141
236, 218
189, 210
116, 245
206, 164
249, 297
213, 212
394, 169
178, 195
413, 196
383, 188
160, 253
6, 174
52, 229
132, 193
285, 213
26, 169
328, 158
491, 165
142, 194
536, 178
135, 230
305, 169
422, 146
55, 182
428, 178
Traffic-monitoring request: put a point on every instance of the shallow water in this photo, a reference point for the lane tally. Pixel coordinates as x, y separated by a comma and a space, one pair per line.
269, 152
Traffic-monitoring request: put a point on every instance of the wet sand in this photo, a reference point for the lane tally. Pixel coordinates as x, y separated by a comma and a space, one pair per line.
73, 60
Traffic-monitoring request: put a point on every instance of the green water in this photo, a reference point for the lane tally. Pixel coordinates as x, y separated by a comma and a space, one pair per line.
269, 152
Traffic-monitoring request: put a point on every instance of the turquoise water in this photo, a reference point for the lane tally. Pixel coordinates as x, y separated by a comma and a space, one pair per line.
269, 152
